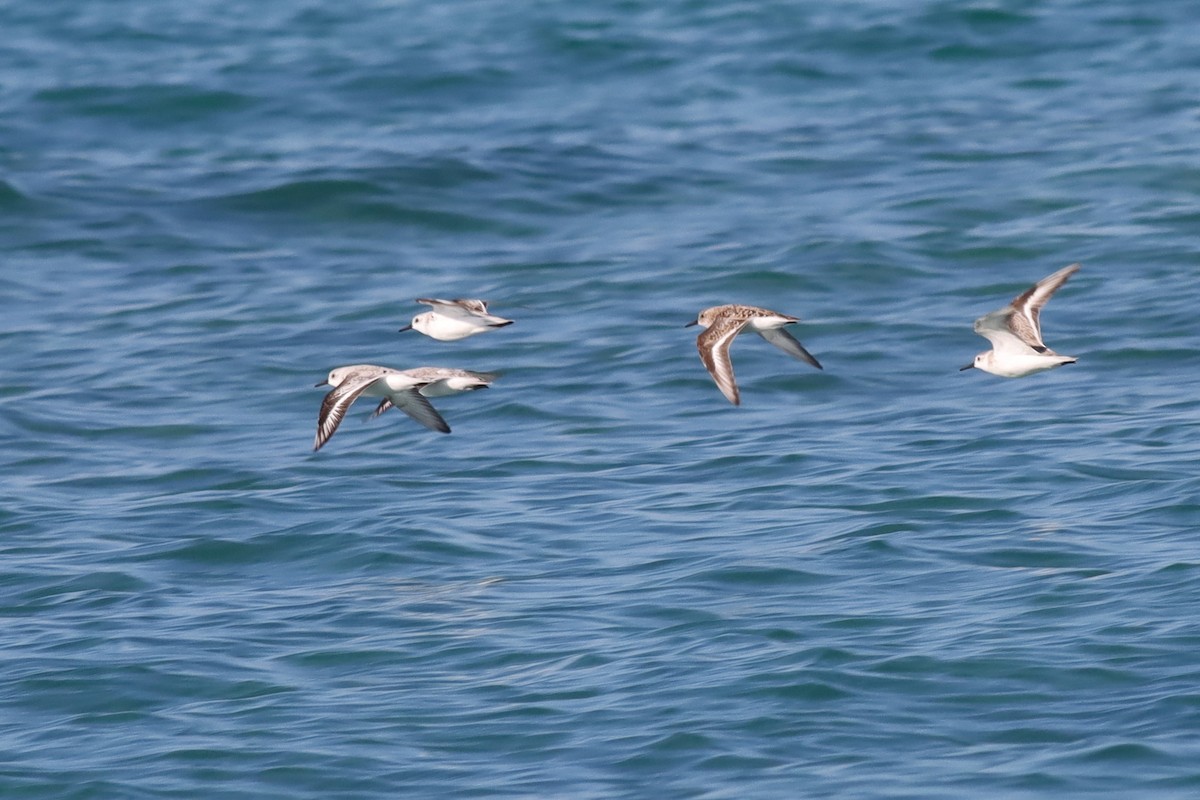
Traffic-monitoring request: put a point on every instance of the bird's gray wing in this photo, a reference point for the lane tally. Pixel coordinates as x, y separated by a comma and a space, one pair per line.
455, 308
996, 328
411, 402
472, 305
789, 344
383, 406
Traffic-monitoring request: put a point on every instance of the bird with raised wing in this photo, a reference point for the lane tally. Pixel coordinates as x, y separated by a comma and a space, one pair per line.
1015, 332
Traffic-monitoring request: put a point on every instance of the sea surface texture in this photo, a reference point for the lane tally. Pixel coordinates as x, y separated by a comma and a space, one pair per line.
884, 579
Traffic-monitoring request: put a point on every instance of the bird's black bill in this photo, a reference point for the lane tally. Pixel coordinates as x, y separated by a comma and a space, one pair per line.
322, 383
405, 328
967, 367
693, 322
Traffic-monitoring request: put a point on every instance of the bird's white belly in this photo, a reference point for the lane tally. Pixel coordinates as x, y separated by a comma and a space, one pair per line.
1012, 365
449, 329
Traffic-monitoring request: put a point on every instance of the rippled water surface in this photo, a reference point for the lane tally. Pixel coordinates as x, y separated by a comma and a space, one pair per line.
884, 579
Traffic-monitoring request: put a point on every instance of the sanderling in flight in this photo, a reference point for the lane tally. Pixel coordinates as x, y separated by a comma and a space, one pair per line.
404, 389
725, 322
1015, 332
454, 319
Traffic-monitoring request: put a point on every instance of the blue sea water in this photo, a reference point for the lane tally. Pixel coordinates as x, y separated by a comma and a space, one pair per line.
886, 579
